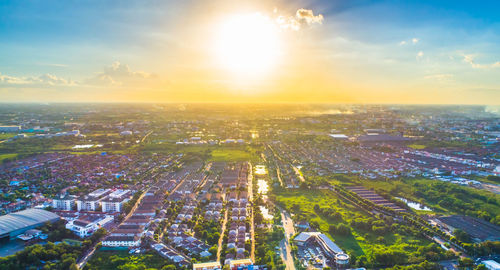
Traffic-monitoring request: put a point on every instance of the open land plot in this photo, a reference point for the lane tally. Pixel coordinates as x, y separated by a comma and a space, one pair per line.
118, 259
361, 242
443, 197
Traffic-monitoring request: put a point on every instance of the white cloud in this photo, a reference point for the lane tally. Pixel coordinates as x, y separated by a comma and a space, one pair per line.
420, 54
412, 41
302, 17
42, 80
116, 74
470, 58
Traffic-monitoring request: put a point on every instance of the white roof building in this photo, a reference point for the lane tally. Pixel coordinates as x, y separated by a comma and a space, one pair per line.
491, 264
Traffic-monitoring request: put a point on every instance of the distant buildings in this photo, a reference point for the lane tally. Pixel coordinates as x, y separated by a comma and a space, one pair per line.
10, 128
478, 229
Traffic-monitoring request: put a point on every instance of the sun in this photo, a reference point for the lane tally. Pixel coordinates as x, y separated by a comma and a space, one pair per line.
247, 44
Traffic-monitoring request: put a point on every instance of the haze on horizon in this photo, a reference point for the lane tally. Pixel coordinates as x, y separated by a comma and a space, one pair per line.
411, 52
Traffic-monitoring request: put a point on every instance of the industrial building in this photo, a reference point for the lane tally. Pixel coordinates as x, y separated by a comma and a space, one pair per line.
318, 247
14, 224
491, 265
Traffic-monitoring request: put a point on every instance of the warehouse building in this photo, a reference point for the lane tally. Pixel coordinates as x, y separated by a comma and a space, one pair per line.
14, 224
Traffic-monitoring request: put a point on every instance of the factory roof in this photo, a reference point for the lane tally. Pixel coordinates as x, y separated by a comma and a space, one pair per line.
26, 218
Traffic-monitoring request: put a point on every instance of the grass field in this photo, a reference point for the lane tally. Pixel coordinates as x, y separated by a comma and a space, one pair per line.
4, 157
426, 191
301, 202
417, 146
5, 136
110, 260
229, 154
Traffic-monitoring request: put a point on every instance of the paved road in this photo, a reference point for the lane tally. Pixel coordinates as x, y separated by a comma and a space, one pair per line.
299, 175
285, 246
221, 238
252, 225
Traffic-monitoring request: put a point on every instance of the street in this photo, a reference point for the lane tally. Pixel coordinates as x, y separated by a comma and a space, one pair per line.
285, 246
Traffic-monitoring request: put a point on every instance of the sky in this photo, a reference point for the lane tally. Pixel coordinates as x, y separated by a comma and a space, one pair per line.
331, 51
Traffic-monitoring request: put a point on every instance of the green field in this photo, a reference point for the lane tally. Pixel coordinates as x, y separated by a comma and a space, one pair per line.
228, 154
417, 146
6, 157
122, 260
359, 242
443, 197
5, 136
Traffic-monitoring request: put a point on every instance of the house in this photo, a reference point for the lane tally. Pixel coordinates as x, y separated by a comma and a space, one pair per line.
87, 225
207, 266
121, 241
241, 264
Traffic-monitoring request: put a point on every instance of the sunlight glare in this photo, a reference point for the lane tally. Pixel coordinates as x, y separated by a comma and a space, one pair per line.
247, 44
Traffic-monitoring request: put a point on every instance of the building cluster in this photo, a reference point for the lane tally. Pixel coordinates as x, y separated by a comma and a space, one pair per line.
376, 159
89, 212
317, 250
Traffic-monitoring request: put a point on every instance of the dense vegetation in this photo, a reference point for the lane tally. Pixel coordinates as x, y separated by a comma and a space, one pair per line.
444, 197
121, 260
49, 256
372, 241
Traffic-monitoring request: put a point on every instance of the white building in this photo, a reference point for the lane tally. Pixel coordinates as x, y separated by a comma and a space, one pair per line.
85, 227
491, 264
92, 201
64, 202
10, 128
114, 202
121, 241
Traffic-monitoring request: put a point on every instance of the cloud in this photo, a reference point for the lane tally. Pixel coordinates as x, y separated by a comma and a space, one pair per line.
116, 74
303, 17
42, 80
470, 58
420, 55
413, 41
308, 16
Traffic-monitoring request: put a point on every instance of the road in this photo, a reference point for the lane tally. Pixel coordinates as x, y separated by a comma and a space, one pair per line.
221, 238
252, 225
145, 136
285, 246
299, 175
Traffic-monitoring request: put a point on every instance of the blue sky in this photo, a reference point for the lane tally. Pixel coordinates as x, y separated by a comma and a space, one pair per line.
447, 46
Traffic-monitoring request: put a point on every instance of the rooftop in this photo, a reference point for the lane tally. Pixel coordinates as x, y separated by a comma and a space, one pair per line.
26, 218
